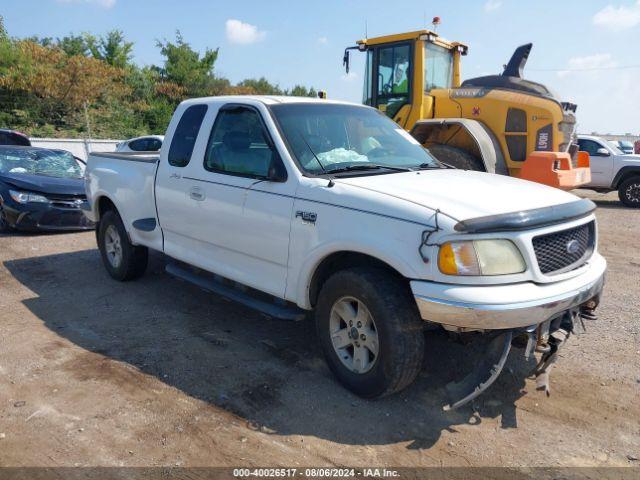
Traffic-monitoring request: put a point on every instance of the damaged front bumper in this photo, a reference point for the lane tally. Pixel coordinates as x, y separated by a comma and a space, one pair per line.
502, 307
544, 315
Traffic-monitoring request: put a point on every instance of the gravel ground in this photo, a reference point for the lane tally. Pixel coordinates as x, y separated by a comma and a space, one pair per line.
157, 372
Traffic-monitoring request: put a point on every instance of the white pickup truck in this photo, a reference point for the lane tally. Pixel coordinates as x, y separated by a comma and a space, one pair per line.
612, 169
295, 205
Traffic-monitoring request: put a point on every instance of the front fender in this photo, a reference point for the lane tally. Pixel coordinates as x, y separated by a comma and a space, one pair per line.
301, 293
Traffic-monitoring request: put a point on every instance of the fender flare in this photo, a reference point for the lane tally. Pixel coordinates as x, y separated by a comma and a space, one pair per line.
624, 172
486, 141
315, 258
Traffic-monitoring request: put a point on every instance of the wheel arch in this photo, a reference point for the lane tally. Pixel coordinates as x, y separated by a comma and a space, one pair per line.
103, 205
625, 173
341, 260
479, 140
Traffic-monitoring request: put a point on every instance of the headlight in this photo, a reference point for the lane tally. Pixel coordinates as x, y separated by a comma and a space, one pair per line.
27, 197
480, 257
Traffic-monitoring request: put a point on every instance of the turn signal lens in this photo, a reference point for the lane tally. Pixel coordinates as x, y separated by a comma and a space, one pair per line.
458, 258
480, 257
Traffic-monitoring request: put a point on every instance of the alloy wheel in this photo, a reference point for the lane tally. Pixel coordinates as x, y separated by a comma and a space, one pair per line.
113, 246
354, 335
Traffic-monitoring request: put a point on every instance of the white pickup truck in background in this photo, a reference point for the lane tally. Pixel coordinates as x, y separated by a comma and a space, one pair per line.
294, 205
612, 169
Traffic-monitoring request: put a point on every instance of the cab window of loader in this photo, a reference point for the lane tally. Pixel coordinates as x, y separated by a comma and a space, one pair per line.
438, 67
394, 73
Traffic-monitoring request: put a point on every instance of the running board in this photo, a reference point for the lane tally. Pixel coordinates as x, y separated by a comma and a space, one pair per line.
210, 283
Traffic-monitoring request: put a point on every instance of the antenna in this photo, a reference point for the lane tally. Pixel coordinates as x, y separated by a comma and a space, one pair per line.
366, 32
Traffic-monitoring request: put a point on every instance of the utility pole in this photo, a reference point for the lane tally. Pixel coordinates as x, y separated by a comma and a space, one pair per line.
87, 144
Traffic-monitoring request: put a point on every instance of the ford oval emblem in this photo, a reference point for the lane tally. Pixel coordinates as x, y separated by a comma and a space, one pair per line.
572, 247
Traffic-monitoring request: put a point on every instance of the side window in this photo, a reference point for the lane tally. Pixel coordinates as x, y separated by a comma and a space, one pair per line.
438, 67
393, 76
139, 145
154, 145
589, 146
238, 144
184, 138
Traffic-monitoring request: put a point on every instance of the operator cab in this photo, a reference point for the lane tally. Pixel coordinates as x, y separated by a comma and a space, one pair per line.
399, 67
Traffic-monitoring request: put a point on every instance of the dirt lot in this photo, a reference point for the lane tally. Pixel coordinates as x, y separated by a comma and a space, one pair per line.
158, 372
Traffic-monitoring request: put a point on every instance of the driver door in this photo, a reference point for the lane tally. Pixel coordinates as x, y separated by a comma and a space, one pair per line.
601, 165
391, 77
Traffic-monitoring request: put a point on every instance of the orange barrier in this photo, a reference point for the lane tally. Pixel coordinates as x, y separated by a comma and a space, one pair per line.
555, 169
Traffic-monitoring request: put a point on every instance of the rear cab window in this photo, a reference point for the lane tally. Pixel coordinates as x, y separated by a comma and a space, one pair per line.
185, 135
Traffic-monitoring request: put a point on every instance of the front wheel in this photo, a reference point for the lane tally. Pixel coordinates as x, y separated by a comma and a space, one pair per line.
4, 223
370, 331
629, 192
123, 260
456, 157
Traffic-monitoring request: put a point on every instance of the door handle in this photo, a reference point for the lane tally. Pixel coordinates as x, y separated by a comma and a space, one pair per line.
197, 194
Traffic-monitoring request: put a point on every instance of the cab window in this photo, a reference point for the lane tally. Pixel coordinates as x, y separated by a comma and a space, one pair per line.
184, 138
393, 78
438, 67
238, 144
590, 147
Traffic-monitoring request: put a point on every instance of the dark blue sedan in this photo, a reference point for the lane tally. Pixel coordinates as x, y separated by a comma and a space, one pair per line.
41, 189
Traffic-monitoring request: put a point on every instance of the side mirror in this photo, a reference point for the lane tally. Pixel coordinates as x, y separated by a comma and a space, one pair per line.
277, 172
345, 60
602, 152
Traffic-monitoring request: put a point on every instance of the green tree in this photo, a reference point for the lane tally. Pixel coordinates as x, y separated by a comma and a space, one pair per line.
302, 91
72, 45
111, 48
186, 67
261, 86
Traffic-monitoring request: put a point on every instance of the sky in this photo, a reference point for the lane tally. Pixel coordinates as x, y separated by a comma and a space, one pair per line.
583, 49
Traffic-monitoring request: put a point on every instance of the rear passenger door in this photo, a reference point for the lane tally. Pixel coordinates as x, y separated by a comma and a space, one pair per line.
172, 189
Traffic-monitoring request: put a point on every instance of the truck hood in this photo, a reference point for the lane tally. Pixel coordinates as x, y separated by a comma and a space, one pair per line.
462, 194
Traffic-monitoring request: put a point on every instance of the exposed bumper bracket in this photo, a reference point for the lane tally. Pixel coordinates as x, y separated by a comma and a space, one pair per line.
473, 382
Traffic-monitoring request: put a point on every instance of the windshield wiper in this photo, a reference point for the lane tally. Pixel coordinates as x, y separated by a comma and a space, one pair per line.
367, 166
431, 166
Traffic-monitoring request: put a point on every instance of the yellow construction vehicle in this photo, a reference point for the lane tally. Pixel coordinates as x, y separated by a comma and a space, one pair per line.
497, 123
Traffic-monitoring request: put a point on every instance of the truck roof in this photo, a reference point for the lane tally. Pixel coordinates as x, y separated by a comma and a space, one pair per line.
266, 99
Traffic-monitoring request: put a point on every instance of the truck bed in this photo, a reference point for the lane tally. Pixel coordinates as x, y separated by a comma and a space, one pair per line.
129, 178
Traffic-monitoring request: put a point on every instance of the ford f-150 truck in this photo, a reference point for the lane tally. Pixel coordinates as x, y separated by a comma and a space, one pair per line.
296, 205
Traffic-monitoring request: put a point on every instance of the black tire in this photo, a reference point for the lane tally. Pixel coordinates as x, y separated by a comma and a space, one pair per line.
629, 192
4, 224
133, 259
456, 157
397, 322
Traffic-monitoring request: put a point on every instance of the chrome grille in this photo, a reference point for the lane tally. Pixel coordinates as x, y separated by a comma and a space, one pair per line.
565, 250
66, 201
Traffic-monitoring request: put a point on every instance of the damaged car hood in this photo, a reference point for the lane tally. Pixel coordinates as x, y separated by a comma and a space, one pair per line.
44, 184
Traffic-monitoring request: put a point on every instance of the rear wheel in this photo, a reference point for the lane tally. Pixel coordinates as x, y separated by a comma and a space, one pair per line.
123, 260
629, 192
456, 157
370, 331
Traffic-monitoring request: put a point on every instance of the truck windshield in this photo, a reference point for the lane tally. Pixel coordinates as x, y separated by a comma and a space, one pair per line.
438, 67
50, 163
326, 138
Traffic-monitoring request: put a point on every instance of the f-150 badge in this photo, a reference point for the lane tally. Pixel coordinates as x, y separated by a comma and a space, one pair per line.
307, 217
